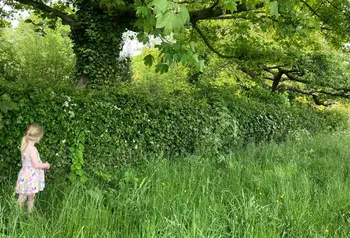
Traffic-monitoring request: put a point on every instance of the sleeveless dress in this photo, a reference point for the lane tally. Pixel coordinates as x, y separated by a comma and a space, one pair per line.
30, 180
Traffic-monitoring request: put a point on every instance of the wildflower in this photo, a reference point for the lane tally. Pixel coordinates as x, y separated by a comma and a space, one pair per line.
301, 99
260, 193
185, 191
326, 230
71, 113
282, 195
277, 201
64, 141
163, 184
321, 108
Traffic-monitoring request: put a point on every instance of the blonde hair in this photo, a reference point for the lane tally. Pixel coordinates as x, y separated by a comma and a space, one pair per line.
33, 133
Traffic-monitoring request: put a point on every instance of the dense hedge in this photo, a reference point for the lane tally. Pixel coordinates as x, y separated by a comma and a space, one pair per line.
93, 132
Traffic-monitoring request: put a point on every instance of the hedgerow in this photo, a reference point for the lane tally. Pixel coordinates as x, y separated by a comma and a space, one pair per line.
91, 132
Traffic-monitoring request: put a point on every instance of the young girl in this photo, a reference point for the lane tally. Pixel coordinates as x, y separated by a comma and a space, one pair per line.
31, 177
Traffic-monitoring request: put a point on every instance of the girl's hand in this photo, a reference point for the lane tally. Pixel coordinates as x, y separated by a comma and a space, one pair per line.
47, 165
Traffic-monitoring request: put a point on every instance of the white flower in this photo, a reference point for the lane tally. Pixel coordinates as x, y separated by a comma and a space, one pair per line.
66, 104
56, 154
64, 141
71, 114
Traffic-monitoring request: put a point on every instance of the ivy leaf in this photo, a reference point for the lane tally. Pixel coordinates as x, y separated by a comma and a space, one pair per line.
148, 60
274, 8
6, 104
162, 68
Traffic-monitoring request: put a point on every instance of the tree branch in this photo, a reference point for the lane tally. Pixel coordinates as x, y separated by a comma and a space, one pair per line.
66, 19
297, 79
207, 13
206, 41
276, 80
215, 4
313, 11
284, 87
253, 74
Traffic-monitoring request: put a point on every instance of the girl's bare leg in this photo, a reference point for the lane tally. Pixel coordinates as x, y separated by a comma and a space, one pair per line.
31, 202
21, 200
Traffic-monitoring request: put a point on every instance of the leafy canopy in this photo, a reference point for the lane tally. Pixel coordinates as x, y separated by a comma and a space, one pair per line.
276, 39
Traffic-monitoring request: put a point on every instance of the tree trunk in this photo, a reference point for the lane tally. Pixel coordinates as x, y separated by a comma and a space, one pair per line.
276, 80
98, 41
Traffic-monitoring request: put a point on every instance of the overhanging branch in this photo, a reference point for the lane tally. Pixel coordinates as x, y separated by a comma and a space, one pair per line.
284, 87
278, 78
66, 19
313, 11
206, 41
217, 11
297, 79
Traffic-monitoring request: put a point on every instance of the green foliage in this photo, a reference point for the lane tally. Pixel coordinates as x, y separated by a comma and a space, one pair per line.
262, 36
30, 57
256, 33
76, 150
97, 44
170, 16
6, 105
121, 127
145, 74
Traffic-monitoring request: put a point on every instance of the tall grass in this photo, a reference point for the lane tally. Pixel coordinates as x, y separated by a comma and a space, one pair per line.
297, 189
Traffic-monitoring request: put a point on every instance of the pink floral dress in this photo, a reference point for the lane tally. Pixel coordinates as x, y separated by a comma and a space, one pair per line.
30, 180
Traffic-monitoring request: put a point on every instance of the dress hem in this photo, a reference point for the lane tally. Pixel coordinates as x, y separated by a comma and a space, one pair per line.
22, 193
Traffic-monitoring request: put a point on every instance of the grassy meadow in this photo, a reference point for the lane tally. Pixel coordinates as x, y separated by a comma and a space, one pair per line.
299, 188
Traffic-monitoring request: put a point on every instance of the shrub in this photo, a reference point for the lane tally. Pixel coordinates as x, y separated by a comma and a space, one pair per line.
93, 132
